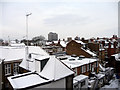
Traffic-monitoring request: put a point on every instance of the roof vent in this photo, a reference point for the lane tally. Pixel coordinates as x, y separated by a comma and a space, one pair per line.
81, 57
73, 55
71, 59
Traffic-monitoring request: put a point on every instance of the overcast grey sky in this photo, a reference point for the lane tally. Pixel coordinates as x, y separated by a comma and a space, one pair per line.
83, 18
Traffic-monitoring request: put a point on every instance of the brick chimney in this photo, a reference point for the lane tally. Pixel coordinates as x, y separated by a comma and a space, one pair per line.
103, 43
109, 45
98, 38
115, 44
59, 41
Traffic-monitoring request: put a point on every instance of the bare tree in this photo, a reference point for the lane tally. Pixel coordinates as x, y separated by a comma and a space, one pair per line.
38, 38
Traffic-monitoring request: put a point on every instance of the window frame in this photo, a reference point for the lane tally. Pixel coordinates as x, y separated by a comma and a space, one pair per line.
84, 68
7, 69
90, 65
15, 68
93, 68
75, 70
87, 67
82, 71
97, 64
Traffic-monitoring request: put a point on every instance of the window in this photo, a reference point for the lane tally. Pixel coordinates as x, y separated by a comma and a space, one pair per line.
15, 68
84, 67
88, 67
82, 71
93, 68
75, 70
7, 69
95, 64
82, 83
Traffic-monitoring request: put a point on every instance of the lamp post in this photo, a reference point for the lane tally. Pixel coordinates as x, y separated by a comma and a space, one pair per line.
27, 64
27, 26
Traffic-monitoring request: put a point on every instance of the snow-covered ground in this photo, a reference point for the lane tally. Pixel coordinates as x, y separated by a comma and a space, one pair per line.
114, 85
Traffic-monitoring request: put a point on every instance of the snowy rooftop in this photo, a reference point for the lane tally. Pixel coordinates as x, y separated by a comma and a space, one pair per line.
117, 56
48, 43
11, 53
88, 51
101, 67
80, 77
80, 42
106, 41
101, 49
114, 85
100, 75
53, 70
76, 62
16, 53
26, 80
63, 43
38, 57
17, 45
56, 42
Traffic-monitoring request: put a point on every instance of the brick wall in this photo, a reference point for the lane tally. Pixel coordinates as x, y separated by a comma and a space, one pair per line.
75, 48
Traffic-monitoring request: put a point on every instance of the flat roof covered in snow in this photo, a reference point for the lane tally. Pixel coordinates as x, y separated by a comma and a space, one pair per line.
26, 80
76, 62
79, 78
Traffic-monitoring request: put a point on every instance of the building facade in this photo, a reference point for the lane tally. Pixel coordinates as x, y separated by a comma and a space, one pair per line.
82, 65
10, 60
52, 36
54, 75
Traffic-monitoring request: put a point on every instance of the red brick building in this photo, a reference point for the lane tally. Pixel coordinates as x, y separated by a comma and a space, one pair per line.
78, 48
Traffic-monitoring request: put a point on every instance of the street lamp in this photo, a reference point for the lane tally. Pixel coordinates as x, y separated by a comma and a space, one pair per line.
27, 26
27, 64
